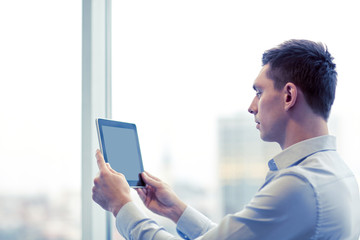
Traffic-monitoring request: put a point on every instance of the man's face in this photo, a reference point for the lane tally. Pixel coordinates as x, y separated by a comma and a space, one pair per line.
268, 108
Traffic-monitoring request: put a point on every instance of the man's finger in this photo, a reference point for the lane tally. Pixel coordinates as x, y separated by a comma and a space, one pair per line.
152, 176
100, 161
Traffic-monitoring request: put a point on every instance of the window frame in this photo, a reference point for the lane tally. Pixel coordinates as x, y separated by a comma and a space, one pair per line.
96, 102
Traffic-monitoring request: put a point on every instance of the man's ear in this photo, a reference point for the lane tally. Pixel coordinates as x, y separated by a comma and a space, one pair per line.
290, 95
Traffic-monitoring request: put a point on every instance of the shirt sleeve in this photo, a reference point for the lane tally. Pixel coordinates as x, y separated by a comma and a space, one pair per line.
193, 224
132, 223
286, 208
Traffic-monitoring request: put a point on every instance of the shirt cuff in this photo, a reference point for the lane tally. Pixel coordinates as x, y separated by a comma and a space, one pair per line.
132, 223
128, 215
193, 224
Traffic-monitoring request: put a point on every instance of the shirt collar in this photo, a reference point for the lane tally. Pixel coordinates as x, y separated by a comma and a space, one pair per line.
301, 150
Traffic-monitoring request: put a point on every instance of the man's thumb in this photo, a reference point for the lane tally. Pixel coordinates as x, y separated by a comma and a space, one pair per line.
151, 180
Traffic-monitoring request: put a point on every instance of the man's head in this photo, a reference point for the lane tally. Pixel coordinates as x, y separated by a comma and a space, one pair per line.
294, 92
309, 66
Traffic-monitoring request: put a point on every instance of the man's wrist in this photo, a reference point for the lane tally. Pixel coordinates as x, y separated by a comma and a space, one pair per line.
177, 212
116, 208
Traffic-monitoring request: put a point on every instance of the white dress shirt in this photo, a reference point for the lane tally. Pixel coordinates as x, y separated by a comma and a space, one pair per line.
308, 193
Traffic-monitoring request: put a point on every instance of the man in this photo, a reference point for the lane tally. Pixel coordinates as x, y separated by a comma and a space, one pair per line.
308, 193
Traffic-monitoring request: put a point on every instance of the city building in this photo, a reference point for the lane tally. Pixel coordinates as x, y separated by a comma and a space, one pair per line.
243, 158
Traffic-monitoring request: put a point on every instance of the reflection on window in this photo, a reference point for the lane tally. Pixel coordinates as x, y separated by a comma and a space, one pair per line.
40, 122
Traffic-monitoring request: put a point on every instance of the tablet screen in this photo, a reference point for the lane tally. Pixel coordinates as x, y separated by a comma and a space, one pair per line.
120, 147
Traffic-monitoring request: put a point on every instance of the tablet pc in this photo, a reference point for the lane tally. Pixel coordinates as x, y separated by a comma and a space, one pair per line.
119, 144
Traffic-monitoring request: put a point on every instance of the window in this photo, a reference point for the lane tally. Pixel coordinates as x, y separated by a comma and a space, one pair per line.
182, 71
40, 120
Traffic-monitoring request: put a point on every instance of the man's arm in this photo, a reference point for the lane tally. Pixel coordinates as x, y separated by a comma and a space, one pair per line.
286, 208
134, 224
112, 193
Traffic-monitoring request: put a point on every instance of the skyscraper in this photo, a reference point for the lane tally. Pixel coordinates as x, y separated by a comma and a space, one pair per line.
243, 158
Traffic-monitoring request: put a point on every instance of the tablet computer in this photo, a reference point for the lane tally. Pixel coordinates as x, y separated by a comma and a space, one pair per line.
119, 144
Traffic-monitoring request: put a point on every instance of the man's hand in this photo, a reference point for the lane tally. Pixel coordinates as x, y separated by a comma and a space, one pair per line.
111, 190
160, 198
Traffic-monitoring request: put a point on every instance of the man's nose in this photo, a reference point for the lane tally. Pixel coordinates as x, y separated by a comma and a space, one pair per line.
253, 106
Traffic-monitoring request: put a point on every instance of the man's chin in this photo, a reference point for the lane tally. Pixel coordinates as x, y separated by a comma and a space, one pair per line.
266, 138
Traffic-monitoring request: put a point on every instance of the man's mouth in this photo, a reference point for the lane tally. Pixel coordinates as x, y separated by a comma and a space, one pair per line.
257, 124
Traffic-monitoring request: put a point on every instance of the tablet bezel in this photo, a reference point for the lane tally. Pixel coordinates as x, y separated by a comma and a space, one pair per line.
134, 183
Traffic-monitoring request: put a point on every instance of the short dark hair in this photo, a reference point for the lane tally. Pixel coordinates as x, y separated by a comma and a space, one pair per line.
309, 66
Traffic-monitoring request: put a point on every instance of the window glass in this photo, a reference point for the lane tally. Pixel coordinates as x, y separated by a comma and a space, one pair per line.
183, 72
40, 124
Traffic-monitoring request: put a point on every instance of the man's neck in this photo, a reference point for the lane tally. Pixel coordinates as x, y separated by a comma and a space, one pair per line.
306, 129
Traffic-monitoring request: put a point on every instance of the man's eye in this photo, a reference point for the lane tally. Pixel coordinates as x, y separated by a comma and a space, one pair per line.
258, 94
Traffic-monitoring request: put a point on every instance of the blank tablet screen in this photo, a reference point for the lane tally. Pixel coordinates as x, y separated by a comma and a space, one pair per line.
120, 146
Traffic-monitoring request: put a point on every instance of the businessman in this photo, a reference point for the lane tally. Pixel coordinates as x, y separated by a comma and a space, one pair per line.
308, 193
